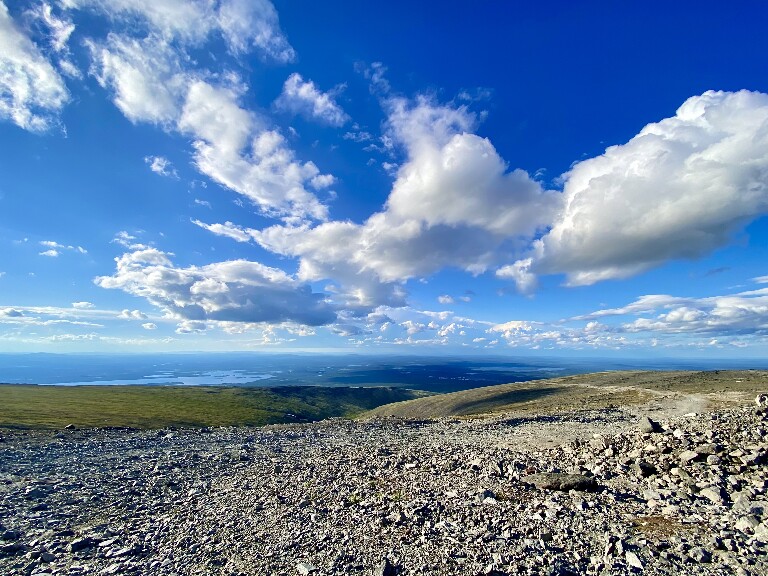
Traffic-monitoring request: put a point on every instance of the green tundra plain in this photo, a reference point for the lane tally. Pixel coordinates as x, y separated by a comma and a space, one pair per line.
54, 407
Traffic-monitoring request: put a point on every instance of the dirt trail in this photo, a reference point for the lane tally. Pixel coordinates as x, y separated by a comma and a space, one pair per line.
548, 413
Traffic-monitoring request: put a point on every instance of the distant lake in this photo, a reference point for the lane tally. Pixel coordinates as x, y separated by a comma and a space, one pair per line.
436, 374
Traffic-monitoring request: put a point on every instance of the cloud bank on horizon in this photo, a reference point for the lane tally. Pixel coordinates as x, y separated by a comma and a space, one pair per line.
312, 257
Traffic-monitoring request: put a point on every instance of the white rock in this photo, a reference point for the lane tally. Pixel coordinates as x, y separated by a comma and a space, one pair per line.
761, 532
304, 568
633, 560
747, 523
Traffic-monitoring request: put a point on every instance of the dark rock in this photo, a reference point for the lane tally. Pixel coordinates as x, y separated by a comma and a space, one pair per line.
35, 492
699, 554
644, 468
81, 544
559, 481
649, 426
11, 549
9, 535
47, 557
706, 449
384, 568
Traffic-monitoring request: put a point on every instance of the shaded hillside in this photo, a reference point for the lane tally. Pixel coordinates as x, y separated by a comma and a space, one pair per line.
588, 391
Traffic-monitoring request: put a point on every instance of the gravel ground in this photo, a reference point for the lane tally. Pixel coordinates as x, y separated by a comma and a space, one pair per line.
687, 494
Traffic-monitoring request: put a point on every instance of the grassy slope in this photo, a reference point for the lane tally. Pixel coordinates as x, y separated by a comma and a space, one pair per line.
596, 390
154, 407
159, 406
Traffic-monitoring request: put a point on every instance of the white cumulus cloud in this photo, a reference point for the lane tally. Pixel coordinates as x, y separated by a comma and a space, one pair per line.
679, 189
731, 314
254, 23
153, 78
453, 204
132, 315
231, 291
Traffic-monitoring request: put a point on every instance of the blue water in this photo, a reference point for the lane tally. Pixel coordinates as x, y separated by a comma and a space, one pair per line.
436, 374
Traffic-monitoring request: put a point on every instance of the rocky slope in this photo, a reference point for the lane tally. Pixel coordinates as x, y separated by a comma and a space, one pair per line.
688, 494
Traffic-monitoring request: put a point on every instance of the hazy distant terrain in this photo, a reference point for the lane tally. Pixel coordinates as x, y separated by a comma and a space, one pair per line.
436, 374
446, 373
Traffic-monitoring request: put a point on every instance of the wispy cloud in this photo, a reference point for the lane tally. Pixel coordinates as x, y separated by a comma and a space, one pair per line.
228, 229
153, 78
31, 91
245, 26
55, 249
127, 240
59, 29
161, 166
304, 97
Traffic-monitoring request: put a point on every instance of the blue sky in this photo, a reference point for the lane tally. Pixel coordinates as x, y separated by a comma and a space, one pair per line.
554, 178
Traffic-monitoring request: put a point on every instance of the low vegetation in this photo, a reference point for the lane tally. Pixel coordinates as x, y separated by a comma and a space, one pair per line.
54, 407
